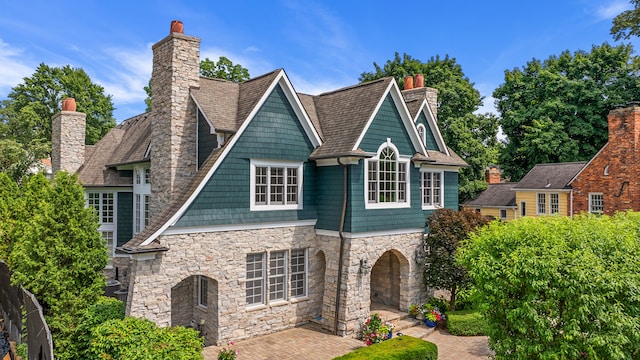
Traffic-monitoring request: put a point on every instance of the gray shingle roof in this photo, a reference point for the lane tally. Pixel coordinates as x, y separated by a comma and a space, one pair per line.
218, 100
496, 195
550, 176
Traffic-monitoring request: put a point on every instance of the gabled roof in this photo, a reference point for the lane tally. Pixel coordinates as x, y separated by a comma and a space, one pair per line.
218, 100
549, 176
125, 144
602, 150
496, 195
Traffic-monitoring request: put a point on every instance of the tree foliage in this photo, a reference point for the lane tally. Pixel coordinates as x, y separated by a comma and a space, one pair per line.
447, 229
17, 159
55, 250
140, 339
556, 110
627, 24
472, 136
222, 69
559, 288
26, 115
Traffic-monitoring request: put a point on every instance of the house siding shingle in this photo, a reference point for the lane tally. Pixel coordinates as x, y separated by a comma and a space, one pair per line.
387, 123
274, 134
125, 217
430, 138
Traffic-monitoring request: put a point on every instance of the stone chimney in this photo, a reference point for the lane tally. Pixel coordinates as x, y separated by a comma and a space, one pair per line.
176, 69
419, 92
492, 175
68, 131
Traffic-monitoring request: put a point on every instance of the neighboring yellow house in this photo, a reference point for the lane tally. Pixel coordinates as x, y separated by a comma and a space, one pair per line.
497, 201
545, 189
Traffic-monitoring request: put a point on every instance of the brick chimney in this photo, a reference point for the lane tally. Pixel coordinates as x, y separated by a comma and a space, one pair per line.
176, 69
419, 91
68, 132
492, 175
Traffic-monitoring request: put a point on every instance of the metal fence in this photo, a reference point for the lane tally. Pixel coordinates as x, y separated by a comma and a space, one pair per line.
12, 298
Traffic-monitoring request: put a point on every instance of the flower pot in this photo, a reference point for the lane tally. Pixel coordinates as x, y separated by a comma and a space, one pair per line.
420, 316
430, 323
69, 104
390, 335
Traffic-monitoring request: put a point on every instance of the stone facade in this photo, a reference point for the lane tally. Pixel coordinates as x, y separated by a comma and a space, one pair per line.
615, 170
67, 141
164, 288
176, 69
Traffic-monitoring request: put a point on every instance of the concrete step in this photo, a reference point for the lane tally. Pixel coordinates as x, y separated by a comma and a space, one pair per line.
419, 331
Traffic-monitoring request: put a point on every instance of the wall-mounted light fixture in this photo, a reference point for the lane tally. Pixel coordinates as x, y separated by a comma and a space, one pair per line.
364, 266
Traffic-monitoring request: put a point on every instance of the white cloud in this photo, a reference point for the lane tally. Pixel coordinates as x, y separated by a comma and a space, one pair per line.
125, 73
13, 68
612, 9
302, 85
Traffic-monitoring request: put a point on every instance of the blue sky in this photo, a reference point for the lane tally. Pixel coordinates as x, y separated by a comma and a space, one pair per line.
322, 45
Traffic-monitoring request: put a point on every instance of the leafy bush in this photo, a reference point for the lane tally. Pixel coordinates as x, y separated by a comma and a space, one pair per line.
106, 308
399, 348
468, 299
140, 339
466, 323
556, 287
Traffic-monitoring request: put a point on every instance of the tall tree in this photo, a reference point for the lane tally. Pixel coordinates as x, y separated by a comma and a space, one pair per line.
556, 110
627, 24
222, 69
26, 115
57, 252
472, 136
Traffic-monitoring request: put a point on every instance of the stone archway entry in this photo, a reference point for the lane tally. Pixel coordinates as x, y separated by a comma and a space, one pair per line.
194, 303
385, 282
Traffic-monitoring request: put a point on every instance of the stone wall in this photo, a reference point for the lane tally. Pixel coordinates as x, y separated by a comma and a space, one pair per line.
67, 141
176, 66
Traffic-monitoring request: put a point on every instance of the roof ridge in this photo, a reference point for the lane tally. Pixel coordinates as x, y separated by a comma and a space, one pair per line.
367, 83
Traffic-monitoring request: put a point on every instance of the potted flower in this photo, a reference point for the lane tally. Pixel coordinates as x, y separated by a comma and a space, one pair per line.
414, 310
432, 317
376, 330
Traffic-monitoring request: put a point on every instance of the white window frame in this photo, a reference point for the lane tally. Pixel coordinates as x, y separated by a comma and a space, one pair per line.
110, 225
261, 287
203, 289
285, 165
422, 132
278, 275
141, 198
592, 202
424, 189
501, 212
541, 203
400, 185
554, 203
300, 272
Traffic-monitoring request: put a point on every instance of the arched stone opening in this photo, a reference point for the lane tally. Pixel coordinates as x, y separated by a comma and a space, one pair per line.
386, 281
194, 303
317, 290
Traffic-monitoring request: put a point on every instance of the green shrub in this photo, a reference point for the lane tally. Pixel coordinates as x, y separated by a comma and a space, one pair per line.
106, 308
466, 323
559, 288
399, 348
140, 339
468, 299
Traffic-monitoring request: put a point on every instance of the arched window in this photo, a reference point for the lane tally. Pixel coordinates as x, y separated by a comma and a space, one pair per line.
422, 132
387, 183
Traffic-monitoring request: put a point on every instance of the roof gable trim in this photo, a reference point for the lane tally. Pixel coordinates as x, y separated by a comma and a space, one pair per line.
433, 124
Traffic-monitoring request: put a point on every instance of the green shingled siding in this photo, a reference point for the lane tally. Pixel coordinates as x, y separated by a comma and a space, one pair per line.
274, 134
431, 139
207, 142
451, 190
125, 217
330, 197
387, 123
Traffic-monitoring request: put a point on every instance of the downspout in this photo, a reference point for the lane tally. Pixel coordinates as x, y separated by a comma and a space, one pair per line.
341, 256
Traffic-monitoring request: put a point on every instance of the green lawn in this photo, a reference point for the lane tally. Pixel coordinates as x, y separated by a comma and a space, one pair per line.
465, 323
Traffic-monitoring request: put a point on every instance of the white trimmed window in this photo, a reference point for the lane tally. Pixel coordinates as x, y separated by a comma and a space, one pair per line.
255, 272
554, 200
203, 289
503, 214
284, 278
276, 185
277, 275
596, 203
105, 207
541, 203
432, 189
387, 184
141, 199
298, 273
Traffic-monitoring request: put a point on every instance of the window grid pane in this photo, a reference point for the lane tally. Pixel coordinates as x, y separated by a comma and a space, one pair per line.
277, 186
108, 237
261, 186
373, 181
94, 202
292, 185
203, 289
555, 203
597, 203
542, 206
255, 279
146, 210
136, 212
107, 208
437, 188
298, 273
402, 182
427, 188
277, 275
147, 176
